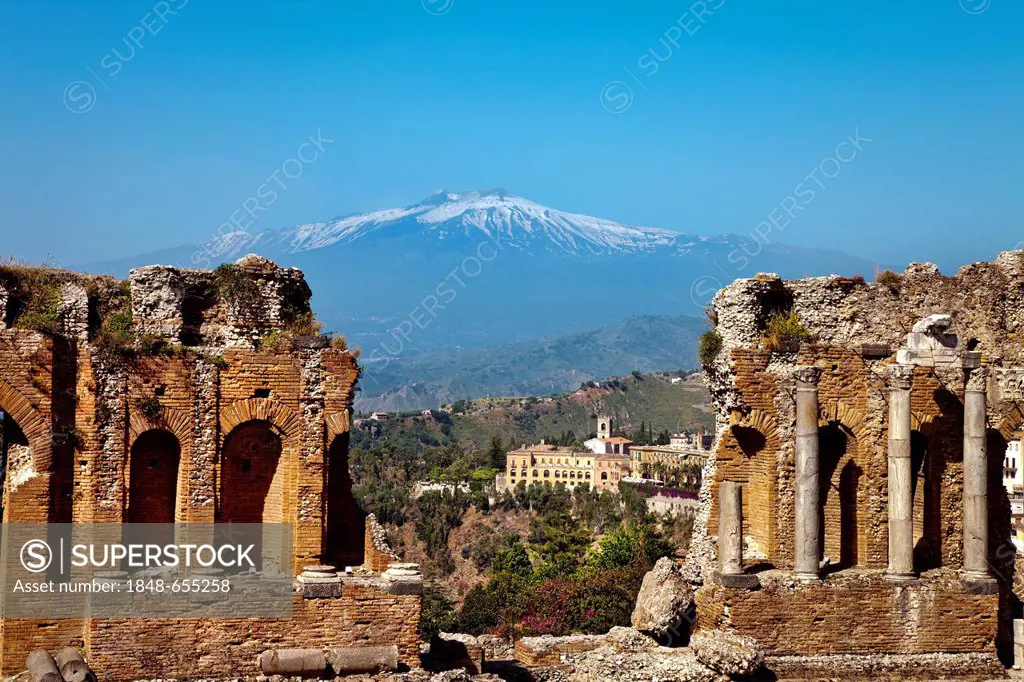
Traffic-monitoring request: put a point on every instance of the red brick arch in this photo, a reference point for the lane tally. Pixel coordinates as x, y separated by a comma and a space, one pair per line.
32, 423
280, 417
337, 424
1011, 418
169, 419
757, 474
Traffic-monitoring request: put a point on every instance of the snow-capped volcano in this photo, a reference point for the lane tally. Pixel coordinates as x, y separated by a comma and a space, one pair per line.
495, 214
402, 281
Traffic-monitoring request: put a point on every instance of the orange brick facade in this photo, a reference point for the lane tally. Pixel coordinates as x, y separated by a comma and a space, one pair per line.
202, 434
855, 332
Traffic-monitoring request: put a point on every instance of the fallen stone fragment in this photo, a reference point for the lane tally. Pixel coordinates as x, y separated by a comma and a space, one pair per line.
663, 602
292, 662
727, 652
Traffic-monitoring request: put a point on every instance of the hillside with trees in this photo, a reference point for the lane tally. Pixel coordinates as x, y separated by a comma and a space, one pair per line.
536, 560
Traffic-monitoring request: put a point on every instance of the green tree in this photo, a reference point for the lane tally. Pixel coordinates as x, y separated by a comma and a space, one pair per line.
438, 614
512, 559
496, 454
629, 543
560, 541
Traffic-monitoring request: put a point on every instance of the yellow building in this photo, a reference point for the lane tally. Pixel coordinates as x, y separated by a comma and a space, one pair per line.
683, 465
552, 464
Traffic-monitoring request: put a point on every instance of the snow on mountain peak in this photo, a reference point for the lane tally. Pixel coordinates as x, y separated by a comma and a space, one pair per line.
494, 214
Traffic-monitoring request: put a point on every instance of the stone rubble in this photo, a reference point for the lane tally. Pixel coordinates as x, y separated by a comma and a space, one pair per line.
663, 603
727, 653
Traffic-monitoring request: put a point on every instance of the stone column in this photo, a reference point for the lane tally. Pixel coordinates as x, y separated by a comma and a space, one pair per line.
730, 538
901, 492
808, 503
975, 567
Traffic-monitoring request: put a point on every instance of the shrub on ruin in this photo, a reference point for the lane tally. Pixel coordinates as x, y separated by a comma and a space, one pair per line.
149, 407
236, 287
116, 338
276, 341
305, 325
709, 347
784, 332
34, 297
339, 342
889, 279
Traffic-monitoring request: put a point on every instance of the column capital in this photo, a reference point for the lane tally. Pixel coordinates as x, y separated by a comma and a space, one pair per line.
901, 376
808, 375
977, 379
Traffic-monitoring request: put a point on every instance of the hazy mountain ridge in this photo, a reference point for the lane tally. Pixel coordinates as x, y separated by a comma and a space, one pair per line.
538, 367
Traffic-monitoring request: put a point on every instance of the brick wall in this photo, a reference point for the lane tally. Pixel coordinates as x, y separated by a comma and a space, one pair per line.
856, 613
366, 615
241, 436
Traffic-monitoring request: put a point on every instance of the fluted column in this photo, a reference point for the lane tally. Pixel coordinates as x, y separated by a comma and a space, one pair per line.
901, 493
808, 525
975, 566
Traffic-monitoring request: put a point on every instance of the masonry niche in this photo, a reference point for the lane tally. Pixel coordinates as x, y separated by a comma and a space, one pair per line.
346, 522
15, 456
842, 512
153, 478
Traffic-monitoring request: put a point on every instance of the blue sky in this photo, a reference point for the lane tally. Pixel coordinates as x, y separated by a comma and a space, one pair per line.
744, 104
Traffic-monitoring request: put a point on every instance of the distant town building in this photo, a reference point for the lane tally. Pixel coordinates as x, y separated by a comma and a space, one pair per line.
616, 445
1013, 481
380, 416
674, 505
423, 487
551, 464
606, 442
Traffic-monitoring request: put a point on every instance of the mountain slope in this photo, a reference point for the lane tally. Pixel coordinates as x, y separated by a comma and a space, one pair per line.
477, 269
538, 367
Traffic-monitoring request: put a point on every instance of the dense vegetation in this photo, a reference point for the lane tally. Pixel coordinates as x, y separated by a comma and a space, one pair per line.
538, 559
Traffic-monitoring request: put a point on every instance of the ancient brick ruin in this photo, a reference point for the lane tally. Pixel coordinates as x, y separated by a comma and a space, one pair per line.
867, 460
190, 396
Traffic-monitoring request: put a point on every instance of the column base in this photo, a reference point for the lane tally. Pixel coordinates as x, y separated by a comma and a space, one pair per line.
901, 577
808, 578
979, 583
743, 581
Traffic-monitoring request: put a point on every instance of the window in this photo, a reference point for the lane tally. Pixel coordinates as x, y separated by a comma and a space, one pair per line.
524, 472
512, 473
572, 474
604, 475
556, 474
535, 473
588, 475
546, 472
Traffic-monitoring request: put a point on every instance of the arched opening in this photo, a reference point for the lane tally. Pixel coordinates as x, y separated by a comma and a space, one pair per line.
927, 469
746, 458
153, 478
15, 458
842, 523
346, 522
252, 485
849, 485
